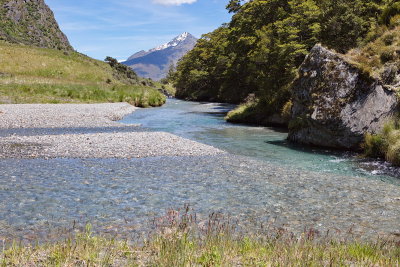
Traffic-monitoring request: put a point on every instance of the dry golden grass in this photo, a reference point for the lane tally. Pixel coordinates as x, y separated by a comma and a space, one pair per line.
373, 56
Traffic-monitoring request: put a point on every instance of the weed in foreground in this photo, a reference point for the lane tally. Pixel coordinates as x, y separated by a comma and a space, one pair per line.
180, 239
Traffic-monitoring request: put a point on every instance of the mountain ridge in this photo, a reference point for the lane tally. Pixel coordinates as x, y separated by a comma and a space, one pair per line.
31, 22
156, 62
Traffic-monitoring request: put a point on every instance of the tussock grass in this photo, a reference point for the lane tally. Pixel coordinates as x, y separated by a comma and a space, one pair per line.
39, 75
374, 55
181, 241
386, 144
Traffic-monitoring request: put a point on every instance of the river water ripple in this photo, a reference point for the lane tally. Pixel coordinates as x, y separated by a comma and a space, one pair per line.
262, 179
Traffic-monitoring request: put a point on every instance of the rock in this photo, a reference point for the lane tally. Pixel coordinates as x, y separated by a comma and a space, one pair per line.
31, 22
391, 75
276, 120
335, 103
165, 92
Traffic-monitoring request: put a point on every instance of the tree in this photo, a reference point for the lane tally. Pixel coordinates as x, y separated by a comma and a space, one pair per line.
259, 50
234, 6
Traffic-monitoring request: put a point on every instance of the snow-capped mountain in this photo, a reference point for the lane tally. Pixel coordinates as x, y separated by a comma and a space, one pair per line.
156, 62
175, 42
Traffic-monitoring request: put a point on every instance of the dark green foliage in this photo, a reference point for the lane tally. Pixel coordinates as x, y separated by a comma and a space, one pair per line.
234, 6
391, 10
344, 23
259, 51
122, 72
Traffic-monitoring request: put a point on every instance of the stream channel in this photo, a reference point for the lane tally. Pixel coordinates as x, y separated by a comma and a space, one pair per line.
262, 178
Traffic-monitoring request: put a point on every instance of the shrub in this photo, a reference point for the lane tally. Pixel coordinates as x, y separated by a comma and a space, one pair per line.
395, 21
375, 145
388, 39
287, 110
390, 12
393, 153
386, 144
387, 55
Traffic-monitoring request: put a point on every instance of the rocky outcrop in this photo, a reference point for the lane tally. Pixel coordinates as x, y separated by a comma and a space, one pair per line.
31, 22
335, 103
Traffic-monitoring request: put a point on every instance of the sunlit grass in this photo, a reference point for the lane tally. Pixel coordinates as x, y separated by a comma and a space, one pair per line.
39, 75
373, 56
180, 241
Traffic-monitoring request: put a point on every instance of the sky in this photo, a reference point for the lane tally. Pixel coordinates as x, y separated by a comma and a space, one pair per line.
119, 28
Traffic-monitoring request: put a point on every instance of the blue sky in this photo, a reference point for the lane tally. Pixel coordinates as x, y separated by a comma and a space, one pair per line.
119, 28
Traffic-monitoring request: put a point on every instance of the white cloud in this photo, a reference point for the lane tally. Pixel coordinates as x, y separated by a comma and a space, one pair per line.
174, 2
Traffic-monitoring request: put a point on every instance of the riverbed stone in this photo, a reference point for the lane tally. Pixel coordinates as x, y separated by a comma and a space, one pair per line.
85, 131
335, 103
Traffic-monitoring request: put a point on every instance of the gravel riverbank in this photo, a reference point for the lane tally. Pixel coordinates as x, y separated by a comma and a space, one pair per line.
84, 131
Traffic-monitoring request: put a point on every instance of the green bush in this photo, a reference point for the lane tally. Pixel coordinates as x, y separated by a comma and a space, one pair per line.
389, 12
395, 21
375, 145
388, 39
387, 55
386, 144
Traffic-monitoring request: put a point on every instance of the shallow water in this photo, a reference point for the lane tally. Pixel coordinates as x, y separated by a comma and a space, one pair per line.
203, 122
262, 179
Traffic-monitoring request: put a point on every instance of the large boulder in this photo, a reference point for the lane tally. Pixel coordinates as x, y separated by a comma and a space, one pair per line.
335, 103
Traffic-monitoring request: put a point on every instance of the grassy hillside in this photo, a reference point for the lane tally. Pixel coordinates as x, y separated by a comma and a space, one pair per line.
40, 75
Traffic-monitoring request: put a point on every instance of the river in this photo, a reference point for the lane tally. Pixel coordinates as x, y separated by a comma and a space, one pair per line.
262, 179
204, 122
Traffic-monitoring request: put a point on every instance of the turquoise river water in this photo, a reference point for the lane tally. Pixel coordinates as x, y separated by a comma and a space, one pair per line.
262, 178
203, 122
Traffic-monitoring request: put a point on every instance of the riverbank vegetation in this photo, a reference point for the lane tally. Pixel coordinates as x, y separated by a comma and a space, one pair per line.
385, 144
179, 241
381, 59
259, 51
41, 75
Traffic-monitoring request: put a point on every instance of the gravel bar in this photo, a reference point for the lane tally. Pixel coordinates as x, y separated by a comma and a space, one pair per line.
16, 116
40, 138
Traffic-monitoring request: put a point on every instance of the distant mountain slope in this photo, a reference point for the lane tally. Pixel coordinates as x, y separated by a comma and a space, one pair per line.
155, 63
31, 22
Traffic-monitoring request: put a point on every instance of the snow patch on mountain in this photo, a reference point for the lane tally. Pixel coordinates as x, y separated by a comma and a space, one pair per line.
176, 41
156, 62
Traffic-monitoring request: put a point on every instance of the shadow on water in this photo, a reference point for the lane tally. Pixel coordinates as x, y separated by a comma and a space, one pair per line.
309, 149
204, 122
262, 177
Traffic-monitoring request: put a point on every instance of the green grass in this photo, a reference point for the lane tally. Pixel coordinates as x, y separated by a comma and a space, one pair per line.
39, 75
180, 241
373, 56
386, 144
66, 93
241, 113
